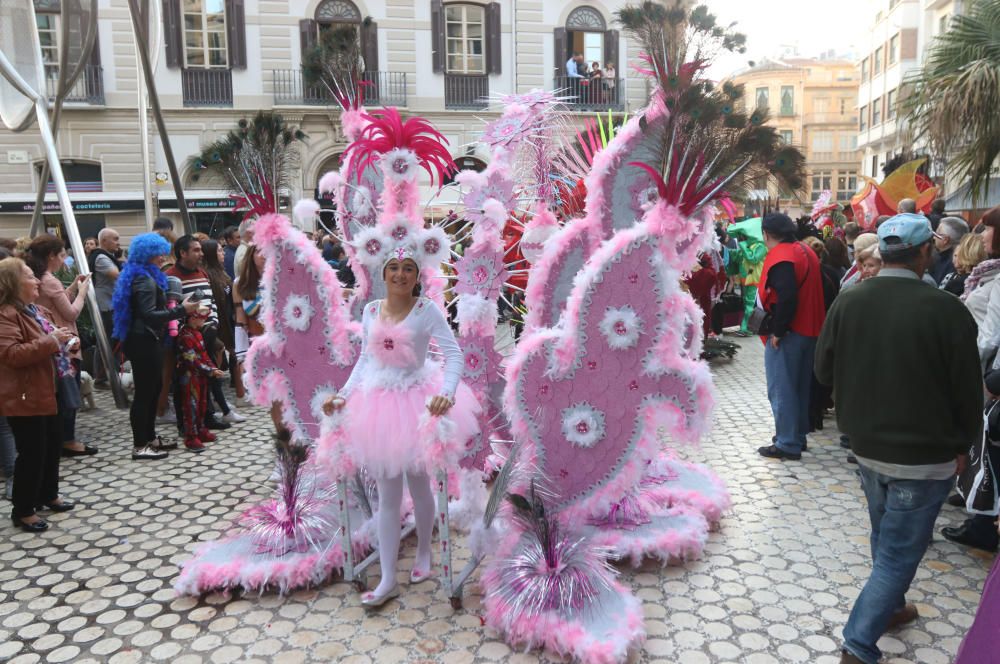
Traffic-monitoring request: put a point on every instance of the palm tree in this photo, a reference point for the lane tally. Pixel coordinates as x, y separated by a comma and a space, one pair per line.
955, 99
255, 161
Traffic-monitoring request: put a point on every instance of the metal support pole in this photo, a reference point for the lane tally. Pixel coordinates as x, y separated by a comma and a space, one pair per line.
103, 345
147, 176
142, 51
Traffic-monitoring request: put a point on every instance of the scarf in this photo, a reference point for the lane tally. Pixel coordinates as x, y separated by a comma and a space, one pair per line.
985, 268
64, 366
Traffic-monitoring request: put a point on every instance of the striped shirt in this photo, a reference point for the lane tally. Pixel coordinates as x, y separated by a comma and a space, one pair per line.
193, 281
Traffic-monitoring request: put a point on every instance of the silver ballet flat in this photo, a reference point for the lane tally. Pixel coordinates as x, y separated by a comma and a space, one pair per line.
372, 601
416, 576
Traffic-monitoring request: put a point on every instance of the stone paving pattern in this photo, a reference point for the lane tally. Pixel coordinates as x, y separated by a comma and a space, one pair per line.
775, 584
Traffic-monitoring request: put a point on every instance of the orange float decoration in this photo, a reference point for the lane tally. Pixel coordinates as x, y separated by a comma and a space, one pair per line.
877, 199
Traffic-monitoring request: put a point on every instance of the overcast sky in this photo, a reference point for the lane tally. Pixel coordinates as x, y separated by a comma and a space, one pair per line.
810, 26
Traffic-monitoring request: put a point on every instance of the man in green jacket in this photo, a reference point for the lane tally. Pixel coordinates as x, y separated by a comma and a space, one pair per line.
903, 362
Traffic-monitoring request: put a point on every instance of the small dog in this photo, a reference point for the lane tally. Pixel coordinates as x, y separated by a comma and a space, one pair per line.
87, 390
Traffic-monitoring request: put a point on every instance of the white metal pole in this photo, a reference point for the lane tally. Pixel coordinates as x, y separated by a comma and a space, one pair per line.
69, 219
147, 177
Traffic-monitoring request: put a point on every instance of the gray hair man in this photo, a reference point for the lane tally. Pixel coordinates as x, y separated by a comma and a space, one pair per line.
907, 205
912, 440
104, 264
949, 233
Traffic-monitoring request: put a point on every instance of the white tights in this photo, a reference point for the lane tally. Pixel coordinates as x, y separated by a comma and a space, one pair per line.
390, 499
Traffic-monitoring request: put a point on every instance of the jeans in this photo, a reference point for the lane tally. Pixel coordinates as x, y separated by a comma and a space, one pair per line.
68, 415
8, 453
209, 334
36, 471
789, 370
902, 514
146, 355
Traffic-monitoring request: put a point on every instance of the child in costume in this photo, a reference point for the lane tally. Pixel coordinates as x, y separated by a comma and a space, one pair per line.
194, 368
750, 255
387, 401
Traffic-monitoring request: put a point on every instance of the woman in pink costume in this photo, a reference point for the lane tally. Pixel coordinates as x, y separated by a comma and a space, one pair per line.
390, 401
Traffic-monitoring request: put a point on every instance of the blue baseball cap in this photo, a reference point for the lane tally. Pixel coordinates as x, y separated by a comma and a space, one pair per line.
904, 231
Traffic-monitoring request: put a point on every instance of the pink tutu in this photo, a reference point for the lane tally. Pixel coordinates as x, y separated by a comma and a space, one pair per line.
389, 431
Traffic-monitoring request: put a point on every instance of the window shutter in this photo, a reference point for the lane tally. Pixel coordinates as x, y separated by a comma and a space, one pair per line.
493, 38
236, 34
559, 39
437, 36
307, 34
369, 44
172, 33
611, 50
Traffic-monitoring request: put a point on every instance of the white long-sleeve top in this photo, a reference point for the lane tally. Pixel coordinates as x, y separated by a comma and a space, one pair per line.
424, 322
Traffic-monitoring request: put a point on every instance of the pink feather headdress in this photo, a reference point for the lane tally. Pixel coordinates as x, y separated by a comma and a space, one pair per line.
387, 131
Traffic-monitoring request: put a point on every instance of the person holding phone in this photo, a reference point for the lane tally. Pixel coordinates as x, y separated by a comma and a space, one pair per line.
32, 359
140, 320
46, 255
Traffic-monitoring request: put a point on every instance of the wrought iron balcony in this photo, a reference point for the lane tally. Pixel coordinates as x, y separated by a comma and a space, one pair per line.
466, 91
381, 88
601, 94
207, 87
88, 89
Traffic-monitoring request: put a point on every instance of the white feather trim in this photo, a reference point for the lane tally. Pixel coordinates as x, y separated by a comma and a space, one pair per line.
621, 327
298, 312
477, 310
433, 247
399, 165
467, 510
330, 183
305, 211
372, 247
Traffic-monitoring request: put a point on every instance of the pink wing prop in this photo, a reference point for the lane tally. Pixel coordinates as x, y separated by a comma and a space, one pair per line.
588, 398
309, 344
306, 353
618, 193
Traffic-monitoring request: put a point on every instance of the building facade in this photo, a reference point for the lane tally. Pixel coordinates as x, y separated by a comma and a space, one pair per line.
222, 60
812, 104
898, 40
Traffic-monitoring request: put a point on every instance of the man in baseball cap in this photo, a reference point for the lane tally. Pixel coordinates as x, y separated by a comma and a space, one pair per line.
904, 232
904, 364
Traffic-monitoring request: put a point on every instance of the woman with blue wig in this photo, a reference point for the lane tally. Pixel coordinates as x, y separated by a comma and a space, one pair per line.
141, 316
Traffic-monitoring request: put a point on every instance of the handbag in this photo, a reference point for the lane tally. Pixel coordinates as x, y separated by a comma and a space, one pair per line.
978, 482
761, 321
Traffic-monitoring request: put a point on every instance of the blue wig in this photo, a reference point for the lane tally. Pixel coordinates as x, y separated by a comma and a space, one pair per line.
143, 249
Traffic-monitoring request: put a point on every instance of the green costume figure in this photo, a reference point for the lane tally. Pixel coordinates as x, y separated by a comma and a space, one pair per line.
750, 254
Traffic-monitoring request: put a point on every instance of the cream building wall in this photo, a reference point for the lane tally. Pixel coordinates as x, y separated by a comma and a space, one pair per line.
819, 121
104, 130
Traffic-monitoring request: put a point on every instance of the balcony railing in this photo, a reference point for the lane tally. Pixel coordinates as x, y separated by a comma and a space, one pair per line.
466, 91
603, 94
207, 87
830, 118
88, 89
382, 88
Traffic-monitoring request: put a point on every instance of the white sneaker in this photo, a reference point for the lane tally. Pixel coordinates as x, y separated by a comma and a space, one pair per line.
244, 402
147, 452
232, 417
168, 417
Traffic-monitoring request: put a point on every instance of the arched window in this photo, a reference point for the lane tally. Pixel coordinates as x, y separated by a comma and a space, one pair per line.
586, 19
337, 11
586, 49
336, 15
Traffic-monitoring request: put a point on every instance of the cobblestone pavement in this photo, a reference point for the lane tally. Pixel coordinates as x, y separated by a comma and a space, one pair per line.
775, 583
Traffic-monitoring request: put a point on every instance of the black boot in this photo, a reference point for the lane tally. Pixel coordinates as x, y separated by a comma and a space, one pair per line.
972, 534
